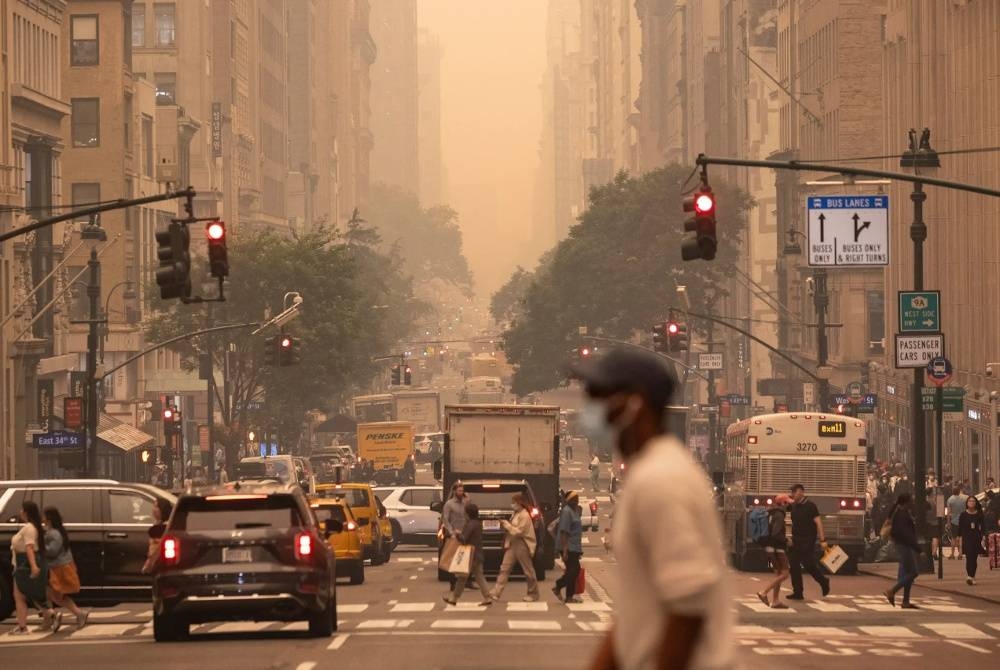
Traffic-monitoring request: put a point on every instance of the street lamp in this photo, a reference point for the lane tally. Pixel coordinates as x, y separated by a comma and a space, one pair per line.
924, 161
821, 300
129, 294
94, 235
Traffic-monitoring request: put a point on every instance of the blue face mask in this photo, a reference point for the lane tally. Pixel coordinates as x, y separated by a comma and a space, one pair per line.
594, 421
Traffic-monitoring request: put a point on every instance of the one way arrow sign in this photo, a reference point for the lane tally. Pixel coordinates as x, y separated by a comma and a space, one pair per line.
848, 230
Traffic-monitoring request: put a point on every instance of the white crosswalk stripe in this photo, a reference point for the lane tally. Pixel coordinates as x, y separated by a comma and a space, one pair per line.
957, 631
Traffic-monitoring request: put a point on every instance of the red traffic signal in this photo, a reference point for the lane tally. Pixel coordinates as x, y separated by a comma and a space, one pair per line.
168, 414
672, 328
704, 203
286, 342
215, 230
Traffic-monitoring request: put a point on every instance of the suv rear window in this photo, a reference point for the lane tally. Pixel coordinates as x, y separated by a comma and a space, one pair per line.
494, 497
235, 513
327, 512
353, 497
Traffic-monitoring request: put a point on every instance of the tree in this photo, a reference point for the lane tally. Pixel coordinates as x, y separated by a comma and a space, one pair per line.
617, 271
341, 280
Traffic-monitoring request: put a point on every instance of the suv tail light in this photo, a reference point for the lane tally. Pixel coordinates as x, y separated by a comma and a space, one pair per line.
534, 512
170, 550
303, 546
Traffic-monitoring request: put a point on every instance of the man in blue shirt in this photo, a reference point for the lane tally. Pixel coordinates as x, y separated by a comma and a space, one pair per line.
956, 505
569, 540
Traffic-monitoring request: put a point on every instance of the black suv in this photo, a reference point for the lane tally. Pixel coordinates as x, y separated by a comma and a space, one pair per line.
108, 524
493, 498
244, 552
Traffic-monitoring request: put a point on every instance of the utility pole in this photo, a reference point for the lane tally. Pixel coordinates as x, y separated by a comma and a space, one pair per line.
210, 402
821, 300
91, 465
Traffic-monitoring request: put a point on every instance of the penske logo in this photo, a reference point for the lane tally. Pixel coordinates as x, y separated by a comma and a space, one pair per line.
385, 436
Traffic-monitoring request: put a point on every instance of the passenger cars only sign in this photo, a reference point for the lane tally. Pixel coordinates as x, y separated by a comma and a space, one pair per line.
848, 230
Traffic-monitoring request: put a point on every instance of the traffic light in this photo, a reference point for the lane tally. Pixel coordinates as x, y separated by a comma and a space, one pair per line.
396, 375
660, 337
271, 351
171, 421
218, 256
679, 337
173, 250
585, 351
407, 375
702, 224
288, 350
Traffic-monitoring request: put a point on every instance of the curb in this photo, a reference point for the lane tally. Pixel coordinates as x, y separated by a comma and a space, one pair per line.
933, 587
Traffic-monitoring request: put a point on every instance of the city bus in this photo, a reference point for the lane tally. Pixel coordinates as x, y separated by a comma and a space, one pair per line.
767, 454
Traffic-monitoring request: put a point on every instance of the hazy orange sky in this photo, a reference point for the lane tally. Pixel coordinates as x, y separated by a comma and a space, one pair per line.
494, 58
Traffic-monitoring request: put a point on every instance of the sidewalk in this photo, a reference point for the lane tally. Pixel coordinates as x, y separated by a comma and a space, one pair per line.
987, 582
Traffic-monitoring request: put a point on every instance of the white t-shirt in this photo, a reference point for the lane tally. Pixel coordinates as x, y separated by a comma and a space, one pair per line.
668, 542
25, 535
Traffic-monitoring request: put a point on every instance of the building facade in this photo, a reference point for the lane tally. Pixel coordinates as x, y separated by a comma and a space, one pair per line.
429, 146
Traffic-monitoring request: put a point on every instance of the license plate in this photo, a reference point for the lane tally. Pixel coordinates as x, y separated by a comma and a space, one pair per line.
491, 524
231, 555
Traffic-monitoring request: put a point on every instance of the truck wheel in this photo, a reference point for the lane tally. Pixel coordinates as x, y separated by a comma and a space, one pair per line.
6, 595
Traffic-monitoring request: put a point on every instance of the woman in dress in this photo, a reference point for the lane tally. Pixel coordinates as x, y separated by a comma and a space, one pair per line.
970, 527
64, 580
30, 575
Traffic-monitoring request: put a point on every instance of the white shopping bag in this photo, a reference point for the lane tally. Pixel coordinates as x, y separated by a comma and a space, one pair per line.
461, 562
834, 558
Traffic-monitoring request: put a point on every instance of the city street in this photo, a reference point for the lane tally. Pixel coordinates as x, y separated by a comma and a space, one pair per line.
398, 617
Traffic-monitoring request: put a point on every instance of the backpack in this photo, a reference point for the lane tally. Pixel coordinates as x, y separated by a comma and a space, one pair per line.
757, 525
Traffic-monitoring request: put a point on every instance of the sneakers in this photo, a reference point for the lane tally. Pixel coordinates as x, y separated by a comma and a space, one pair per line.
908, 606
890, 595
19, 630
449, 600
486, 603
530, 598
57, 622
970, 581
48, 617
574, 599
81, 621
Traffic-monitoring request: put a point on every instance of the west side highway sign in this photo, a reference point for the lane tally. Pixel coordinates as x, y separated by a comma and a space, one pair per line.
848, 230
916, 351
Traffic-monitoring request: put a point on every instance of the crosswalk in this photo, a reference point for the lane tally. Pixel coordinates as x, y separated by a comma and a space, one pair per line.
915, 631
847, 604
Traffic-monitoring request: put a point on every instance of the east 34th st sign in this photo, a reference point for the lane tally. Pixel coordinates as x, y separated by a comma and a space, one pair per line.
848, 230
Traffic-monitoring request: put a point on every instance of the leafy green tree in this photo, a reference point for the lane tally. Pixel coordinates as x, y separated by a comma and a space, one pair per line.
617, 271
355, 307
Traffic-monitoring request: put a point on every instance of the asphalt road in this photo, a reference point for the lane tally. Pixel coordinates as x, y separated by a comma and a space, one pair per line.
397, 620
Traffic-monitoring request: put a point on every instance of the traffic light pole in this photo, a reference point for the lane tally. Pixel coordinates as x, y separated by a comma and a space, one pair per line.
821, 300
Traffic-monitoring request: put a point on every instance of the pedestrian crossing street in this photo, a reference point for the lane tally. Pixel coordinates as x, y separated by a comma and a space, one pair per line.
846, 604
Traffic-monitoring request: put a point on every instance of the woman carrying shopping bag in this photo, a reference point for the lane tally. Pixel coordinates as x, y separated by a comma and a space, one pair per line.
30, 574
970, 526
64, 580
471, 539
519, 547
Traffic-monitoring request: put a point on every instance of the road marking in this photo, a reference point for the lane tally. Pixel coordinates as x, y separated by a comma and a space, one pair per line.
413, 576
234, 627
458, 623
889, 631
351, 609
588, 607
527, 607
885, 607
338, 642
412, 607
966, 645
585, 540
148, 614
761, 607
521, 624
409, 559
465, 607
957, 630
946, 608
753, 631
385, 623
108, 614
30, 637
825, 631
994, 626
830, 607
308, 665
103, 629
404, 590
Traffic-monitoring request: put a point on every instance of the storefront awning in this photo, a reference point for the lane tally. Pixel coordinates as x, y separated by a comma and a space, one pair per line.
121, 435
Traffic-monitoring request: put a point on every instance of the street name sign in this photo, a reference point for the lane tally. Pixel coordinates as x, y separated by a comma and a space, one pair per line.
919, 311
848, 230
865, 404
916, 351
710, 361
58, 439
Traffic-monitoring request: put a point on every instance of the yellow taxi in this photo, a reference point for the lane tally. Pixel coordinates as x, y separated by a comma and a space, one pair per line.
346, 543
365, 507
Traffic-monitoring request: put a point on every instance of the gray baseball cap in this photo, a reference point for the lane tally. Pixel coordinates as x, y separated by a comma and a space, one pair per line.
629, 371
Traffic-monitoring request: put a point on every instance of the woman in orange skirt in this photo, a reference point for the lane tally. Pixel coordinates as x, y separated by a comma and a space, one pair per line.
63, 578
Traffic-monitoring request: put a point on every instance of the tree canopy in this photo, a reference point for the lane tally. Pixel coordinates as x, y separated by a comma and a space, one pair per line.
357, 304
616, 273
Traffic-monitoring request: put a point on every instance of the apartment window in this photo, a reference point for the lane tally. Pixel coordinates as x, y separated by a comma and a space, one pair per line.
84, 195
147, 145
86, 122
138, 25
165, 33
876, 322
166, 88
84, 49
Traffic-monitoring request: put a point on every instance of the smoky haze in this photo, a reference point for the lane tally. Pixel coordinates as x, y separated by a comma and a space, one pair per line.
494, 57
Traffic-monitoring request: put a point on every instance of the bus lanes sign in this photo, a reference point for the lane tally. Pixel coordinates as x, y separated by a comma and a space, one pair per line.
916, 351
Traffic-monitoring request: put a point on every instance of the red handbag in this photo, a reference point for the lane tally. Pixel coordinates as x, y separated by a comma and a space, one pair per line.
581, 582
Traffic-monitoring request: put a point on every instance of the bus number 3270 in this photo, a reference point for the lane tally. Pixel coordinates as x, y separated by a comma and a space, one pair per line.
806, 446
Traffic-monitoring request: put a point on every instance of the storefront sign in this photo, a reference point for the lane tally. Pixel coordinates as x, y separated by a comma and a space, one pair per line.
73, 413
216, 130
44, 403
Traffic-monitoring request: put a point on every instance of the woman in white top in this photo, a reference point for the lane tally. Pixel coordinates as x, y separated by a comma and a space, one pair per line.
30, 575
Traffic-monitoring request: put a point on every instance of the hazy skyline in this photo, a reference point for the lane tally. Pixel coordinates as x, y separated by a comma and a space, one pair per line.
494, 58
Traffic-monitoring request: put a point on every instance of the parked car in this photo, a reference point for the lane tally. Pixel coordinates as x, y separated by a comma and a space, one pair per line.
346, 543
410, 512
375, 536
255, 554
108, 523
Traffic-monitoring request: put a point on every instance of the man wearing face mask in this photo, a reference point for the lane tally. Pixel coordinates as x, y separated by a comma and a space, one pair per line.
673, 608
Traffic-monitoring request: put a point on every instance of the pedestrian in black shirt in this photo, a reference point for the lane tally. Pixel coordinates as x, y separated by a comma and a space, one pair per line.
904, 536
806, 527
970, 525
